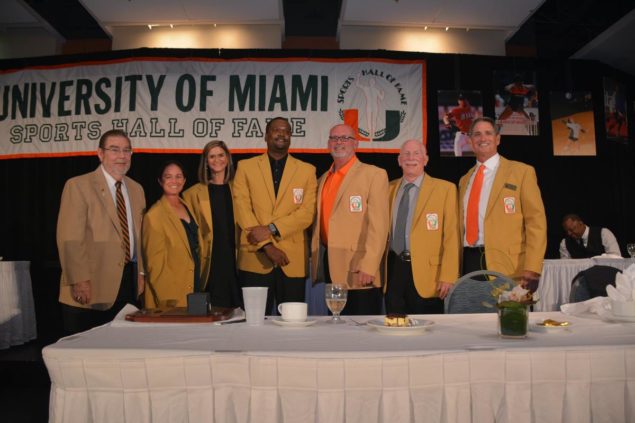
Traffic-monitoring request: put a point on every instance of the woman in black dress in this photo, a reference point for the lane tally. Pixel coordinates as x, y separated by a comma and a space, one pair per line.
211, 203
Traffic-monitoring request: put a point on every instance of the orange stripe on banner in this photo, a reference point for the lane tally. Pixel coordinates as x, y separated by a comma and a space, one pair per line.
213, 60
188, 151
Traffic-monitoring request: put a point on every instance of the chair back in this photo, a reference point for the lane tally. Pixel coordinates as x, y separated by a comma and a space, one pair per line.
471, 294
592, 282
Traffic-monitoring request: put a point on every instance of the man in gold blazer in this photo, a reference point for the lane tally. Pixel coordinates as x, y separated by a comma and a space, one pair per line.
274, 201
97, 256
510, 229
423, 253
351, 228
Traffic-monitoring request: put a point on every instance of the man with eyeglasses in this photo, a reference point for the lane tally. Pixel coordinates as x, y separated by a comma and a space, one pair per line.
351, 228
423, 252
503, 222
98, 232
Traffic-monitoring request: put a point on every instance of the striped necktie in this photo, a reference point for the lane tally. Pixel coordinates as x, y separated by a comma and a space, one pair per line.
123, 221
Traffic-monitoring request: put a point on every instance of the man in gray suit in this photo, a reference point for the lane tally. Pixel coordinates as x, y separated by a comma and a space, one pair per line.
98, 232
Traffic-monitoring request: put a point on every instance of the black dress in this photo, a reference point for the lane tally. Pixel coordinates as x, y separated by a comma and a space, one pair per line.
191, 230
222, 283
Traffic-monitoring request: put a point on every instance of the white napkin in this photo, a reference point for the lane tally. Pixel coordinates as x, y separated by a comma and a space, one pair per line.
624, 289
597, 305
608, 255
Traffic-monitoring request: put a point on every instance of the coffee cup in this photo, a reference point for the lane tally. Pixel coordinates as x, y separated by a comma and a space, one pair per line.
293, 312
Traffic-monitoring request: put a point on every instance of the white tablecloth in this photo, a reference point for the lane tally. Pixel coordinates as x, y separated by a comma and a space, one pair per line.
557, 275
17, 312
460, 371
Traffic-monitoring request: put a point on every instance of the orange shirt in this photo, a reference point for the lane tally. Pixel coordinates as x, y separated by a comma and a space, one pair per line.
329, 192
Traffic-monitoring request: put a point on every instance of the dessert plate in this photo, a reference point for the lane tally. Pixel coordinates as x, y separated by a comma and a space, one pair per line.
540, 326
416, 327
278, 321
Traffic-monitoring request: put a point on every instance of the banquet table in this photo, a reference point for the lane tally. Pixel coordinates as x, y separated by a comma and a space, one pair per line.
459, 370
555, 281
17, 311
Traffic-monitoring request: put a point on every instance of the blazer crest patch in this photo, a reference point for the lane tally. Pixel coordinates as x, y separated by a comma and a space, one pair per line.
355, 203
510, 205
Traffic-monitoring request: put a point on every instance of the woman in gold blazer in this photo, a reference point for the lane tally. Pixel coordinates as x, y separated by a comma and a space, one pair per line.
171, 240
212, 205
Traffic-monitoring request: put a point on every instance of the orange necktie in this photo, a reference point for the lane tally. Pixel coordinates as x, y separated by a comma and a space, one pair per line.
471, 219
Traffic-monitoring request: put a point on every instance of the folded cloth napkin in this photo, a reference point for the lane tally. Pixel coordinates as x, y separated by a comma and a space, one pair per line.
608, 255
597, 305
624, 289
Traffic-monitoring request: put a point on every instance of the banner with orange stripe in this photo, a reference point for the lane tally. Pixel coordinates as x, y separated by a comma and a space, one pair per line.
177, 105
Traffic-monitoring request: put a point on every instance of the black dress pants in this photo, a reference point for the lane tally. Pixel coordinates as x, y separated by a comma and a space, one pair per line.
401, 294
78, 319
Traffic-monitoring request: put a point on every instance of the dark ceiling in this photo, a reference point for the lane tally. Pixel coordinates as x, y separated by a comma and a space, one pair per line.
557, 29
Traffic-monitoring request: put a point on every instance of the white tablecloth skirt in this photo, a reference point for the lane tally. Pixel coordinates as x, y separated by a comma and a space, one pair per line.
594, 385
17, 311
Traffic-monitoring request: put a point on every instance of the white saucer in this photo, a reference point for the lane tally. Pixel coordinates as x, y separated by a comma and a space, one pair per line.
539, 327
624, 319
278, 321
416, 327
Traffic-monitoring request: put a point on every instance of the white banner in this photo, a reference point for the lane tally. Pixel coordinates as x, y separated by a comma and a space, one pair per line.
177, 105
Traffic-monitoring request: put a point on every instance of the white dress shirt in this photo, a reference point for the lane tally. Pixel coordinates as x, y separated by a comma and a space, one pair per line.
609, 242
491, 166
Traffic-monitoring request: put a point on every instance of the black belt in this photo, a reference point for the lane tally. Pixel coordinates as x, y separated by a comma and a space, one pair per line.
480, 248
403, 256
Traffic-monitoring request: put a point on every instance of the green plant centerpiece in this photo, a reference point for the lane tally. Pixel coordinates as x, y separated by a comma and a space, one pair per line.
513, 311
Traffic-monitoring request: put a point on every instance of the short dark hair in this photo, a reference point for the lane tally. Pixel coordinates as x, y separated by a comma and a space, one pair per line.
571, 216
276, 118
484, 119
113, 133
170, 163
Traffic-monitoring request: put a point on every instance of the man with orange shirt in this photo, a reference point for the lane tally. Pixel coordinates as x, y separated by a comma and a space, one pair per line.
351, 229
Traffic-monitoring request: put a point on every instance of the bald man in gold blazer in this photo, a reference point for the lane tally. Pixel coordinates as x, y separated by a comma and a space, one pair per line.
169, 261
273, 248
354, 196
89, 239
430, 263
514, 230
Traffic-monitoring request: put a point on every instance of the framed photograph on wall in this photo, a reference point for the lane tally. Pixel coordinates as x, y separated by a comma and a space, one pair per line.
456, 111
572, 123
615, 113
516, 102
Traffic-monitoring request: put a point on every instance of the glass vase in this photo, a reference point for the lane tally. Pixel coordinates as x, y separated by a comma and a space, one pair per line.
512, 319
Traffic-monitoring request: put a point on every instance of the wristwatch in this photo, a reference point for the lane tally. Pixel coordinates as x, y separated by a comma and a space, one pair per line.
273, 230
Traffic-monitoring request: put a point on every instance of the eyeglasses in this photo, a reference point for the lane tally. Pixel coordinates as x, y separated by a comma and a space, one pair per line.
341, 139
117, 150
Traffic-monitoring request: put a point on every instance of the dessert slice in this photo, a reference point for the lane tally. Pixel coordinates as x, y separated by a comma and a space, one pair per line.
396, 320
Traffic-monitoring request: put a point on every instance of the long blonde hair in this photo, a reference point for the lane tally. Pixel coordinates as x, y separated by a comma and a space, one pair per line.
204, 172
